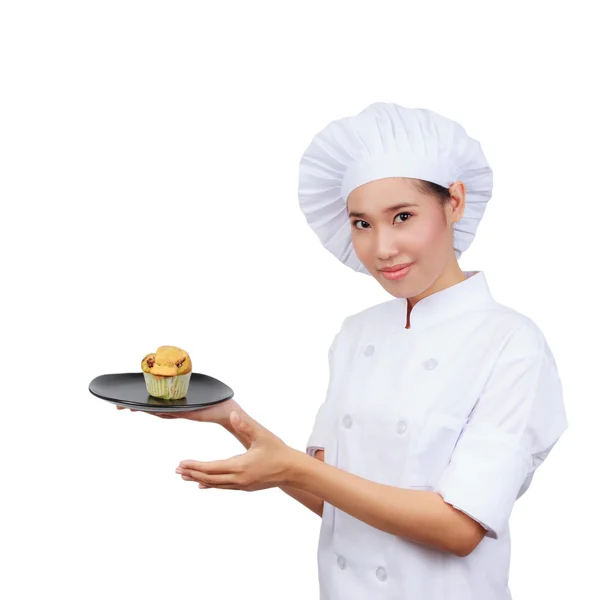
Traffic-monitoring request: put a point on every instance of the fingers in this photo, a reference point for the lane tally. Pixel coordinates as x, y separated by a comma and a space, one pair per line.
224, 481
216, 480
231, 465
189, 475
200, 485
208, 481
219, 486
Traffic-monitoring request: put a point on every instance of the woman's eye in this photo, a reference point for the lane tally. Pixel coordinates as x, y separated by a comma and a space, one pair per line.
403, 213
357, 222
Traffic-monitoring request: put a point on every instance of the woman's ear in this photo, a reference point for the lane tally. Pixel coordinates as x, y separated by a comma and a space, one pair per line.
457, 201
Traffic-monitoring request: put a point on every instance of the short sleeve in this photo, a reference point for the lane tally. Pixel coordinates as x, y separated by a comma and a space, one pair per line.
518, 418
323, 425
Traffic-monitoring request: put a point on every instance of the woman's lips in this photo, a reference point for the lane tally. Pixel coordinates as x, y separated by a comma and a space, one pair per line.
398, 274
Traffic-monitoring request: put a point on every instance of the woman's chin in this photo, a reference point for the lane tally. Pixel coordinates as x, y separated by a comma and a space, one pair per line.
398, 289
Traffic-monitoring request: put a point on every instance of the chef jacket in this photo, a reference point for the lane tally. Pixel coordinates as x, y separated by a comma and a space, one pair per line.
467, 403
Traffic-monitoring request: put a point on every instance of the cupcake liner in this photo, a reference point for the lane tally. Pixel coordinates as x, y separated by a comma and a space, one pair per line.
168, 388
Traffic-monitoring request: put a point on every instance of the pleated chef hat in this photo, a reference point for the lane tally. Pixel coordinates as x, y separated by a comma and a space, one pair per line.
387, 140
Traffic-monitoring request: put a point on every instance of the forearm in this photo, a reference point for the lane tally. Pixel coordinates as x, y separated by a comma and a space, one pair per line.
312, 502
419, 516
309, 500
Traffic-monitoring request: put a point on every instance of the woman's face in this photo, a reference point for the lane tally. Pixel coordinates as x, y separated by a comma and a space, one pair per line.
393, 223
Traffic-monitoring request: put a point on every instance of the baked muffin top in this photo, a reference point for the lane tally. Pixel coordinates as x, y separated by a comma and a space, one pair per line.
167, 361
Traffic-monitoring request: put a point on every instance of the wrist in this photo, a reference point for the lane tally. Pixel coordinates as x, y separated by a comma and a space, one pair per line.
225, 421
298, 466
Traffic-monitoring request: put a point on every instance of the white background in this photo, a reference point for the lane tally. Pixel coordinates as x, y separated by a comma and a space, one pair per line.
148, 175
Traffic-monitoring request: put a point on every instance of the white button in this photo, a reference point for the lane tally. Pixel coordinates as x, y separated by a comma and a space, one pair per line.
347, 421
381, 574
341, 562
368, 351
431, 363
401, 427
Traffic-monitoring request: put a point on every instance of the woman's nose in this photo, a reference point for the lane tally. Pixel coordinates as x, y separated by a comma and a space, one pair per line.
386, 246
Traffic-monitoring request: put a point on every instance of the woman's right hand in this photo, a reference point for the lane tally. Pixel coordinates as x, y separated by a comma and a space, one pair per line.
217, 413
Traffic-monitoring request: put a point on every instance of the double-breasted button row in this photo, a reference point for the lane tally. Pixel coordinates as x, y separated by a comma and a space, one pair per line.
429, 364
401, 426
380, 573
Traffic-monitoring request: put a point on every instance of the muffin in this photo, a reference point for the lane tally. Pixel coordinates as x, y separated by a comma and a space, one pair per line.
167, 373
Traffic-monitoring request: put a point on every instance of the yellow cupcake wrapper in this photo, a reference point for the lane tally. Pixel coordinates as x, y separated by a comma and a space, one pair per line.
168, 388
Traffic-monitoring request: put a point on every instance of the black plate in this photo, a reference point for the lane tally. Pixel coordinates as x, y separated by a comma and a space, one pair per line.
129, 390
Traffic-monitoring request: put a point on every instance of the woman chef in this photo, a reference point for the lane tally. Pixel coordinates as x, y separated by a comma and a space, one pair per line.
441, 402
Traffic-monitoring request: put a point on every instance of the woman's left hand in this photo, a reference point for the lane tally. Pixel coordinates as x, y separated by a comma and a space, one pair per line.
266, 464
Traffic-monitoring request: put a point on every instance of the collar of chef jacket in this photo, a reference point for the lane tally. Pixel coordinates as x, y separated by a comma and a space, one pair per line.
472, 294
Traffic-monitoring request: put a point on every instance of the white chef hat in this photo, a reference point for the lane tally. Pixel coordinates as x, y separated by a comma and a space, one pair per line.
387, 140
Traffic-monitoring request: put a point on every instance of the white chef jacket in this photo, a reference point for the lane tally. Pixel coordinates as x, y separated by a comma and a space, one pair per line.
467, 402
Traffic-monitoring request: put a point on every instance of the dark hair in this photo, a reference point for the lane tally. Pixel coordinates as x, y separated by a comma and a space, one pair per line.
433, 189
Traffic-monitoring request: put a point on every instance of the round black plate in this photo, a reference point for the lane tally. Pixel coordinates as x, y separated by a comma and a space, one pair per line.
129, 390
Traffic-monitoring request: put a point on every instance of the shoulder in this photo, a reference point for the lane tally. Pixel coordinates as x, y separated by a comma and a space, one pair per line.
517, 338
520, 330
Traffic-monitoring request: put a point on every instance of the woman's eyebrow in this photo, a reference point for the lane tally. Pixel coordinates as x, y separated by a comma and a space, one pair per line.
360, 215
